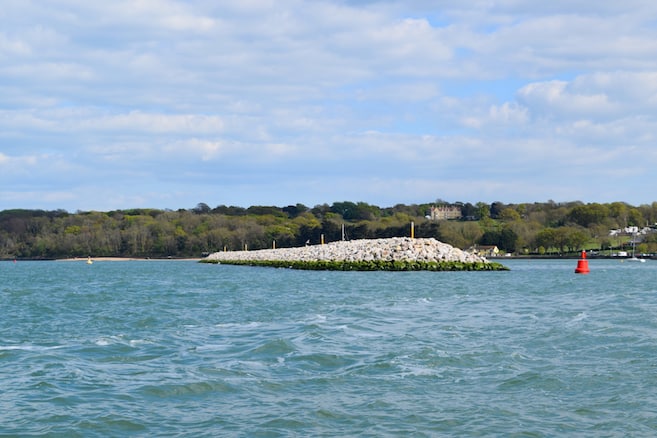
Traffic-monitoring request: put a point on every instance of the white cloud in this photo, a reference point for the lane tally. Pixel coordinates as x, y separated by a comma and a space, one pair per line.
85, 120
508, 114
417, 92
159, 123
554, 98
12, 47
194, 148
18, 163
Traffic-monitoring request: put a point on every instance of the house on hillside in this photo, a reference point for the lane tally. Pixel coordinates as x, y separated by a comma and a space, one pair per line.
445, 213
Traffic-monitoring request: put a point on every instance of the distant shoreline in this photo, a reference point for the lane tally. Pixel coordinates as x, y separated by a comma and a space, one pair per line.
125, 259
565, 257
105, 259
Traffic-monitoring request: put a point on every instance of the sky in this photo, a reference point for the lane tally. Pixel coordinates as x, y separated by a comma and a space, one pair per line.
171, 103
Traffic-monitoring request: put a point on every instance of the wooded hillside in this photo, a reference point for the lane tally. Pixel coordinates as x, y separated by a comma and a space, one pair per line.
518, 228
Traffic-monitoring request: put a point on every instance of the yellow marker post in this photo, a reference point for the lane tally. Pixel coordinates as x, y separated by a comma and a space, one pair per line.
412, 230
322, 239
273, 245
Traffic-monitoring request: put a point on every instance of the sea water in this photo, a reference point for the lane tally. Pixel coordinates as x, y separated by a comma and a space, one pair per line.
177, 348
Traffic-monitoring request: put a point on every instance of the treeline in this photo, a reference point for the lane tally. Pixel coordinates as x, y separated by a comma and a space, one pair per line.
536, 228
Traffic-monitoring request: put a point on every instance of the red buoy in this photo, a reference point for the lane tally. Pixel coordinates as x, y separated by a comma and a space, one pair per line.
582, 265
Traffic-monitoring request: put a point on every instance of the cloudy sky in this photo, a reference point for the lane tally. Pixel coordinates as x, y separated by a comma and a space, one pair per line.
169, 103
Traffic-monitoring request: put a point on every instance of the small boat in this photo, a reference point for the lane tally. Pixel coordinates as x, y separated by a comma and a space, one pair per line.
634, 258
89, 261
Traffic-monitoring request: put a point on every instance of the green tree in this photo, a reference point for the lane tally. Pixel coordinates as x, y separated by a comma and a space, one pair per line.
546, 238
509, 215
586, 215
508, 240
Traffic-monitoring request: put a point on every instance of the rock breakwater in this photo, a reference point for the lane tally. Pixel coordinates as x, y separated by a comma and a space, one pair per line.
397, 253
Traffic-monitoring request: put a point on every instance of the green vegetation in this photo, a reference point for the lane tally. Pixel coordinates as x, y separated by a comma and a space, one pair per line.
371, 265
538, 228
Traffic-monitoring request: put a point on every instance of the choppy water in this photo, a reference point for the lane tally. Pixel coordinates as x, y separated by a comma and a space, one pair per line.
169, 348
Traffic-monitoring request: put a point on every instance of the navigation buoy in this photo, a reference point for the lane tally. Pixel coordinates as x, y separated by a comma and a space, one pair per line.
582, 265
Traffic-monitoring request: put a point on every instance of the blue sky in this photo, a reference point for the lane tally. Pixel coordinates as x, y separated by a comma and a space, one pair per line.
169, 103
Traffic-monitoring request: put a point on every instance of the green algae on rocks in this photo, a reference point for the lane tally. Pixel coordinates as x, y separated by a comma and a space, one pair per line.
393, 254
370, 265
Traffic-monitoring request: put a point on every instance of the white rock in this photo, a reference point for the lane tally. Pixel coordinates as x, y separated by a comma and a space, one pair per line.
396, 248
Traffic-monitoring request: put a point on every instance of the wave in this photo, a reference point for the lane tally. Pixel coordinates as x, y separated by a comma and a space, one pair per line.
37, 348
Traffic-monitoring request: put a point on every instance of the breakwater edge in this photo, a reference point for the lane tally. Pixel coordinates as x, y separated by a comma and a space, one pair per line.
396, 253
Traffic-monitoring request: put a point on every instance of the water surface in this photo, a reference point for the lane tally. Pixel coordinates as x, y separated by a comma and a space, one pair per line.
176, 348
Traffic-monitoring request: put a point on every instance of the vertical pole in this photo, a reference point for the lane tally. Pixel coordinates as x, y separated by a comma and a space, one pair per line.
322, 239
273, 245
412, 230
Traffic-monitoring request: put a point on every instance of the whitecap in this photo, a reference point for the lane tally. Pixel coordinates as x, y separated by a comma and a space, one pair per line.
136, 342
316, 319
579, 317
212, 347
238, 325
102, 342
108, 340
28, 347
419, 371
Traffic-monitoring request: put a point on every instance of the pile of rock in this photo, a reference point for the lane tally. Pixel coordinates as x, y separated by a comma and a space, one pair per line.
393, 249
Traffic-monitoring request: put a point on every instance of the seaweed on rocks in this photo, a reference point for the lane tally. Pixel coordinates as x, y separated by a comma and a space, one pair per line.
394, 254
